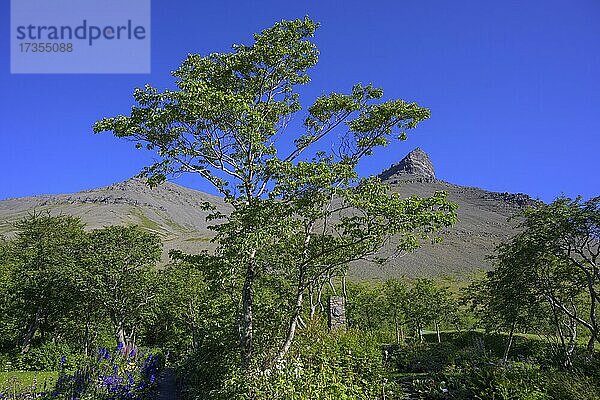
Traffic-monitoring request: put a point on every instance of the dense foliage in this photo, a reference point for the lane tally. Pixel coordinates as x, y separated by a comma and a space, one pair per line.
70, 291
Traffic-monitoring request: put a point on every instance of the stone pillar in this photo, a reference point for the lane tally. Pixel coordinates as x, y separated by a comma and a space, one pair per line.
337, 313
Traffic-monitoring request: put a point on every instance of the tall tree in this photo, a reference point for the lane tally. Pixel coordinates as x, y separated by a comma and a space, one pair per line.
227, 121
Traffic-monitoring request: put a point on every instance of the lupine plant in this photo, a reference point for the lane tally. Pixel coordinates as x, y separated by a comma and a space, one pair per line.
124, 373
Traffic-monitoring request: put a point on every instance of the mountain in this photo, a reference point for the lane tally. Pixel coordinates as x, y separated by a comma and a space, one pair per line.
175, 213
482, 223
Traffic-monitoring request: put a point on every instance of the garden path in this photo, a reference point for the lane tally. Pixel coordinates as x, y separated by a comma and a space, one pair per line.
167, 385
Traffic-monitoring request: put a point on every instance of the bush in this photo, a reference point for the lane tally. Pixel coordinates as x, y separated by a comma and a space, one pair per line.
513, 381
345, 365
44, 357
572, 386
426, 357
321, 366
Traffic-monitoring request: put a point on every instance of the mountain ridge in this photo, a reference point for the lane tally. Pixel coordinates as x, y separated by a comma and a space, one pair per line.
174, 212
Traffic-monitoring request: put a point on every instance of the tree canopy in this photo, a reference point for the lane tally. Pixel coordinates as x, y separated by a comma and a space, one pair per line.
547, 271
298, 213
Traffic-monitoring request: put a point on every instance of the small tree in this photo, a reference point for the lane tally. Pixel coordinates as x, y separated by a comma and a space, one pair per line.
187, 311
366, 306
7, 291
504, 300
547, 269
47, 250
568, 231
120, 277
444, 309
396, 295
420, 310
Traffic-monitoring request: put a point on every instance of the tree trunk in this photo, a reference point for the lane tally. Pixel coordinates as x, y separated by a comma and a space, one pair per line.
120, 335
397, 325
33, 327
313, 304
591, 347
317, 286
246, 337
437, 331
568, 363
87, 336
292, 327
320, 296
332, 286
593, 320
509, 343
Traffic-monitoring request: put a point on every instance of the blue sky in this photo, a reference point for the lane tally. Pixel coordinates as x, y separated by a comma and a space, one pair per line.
513, 87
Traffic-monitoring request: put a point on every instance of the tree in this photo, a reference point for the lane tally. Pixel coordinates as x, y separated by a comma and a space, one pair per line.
120, 277
226, 121
569, 231
189, 312
396, 294
503, 299
47, 250
444, 309
550, 267
428, 304
366, 306
7, 283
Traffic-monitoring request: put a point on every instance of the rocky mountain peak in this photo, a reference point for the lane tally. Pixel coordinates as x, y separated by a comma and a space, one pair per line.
416, 164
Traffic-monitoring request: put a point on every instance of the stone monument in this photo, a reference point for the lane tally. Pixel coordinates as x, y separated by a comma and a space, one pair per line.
337, 313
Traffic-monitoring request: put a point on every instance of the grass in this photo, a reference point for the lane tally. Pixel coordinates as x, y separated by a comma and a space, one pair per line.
144, 222
27, 381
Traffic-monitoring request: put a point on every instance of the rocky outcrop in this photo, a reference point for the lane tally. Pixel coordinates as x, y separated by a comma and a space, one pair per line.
416, 164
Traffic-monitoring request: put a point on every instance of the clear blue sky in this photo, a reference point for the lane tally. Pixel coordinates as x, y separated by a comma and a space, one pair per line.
513, 86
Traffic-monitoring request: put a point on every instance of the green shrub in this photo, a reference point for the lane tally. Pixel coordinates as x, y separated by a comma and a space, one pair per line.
43, 357
572, 386
345, 365
426, 357
321, 366
513, 381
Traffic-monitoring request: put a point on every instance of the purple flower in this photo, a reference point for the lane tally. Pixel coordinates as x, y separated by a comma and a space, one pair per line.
111, 380
132, 353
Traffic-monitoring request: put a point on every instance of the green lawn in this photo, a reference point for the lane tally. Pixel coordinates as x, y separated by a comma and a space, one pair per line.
27, 381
